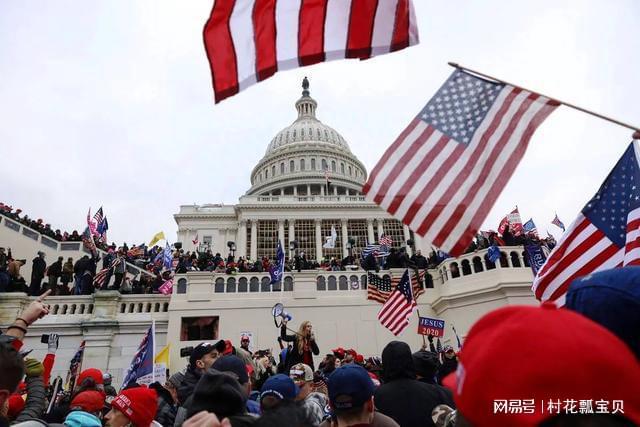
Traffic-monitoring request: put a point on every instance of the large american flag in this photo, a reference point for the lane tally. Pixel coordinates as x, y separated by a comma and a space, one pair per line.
379, 288
385, 240
99, 279
445, 171
248, 41
395, 313
606, 233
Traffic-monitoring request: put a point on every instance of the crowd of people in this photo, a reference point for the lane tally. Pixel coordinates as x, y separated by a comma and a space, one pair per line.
583, 370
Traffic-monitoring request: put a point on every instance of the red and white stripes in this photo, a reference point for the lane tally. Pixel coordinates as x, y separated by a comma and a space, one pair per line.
443, 189
249, 40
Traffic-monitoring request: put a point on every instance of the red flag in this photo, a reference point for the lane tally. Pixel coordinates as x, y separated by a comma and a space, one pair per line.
248, 41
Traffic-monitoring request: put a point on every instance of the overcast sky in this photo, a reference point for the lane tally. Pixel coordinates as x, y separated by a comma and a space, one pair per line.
110, 103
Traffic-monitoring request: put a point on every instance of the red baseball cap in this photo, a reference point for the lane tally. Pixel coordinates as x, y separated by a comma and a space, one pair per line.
228, 347
528, 356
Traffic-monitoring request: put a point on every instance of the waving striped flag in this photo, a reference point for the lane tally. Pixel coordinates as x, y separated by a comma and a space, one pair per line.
445, 171
605, 235
248, 41
396, 311
380, 288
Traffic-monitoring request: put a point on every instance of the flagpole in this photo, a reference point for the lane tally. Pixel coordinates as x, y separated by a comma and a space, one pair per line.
636, 129
153, 363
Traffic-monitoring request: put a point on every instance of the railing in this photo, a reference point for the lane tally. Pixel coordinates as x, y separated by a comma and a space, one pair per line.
344, 280
71, 305
303, 198
511, 257
143, 304
59, 246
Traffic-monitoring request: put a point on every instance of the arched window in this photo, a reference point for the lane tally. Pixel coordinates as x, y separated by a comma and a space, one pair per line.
515, 260
477, 264
324, 164
281, 167
273, 170
301, 164
266, 173
292, 166
349, 170
313, 164
342, 168
333, 165
466, 267
455, 272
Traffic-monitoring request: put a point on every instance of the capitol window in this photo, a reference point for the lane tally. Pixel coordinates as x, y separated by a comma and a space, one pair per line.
199, 328
349, 170
273, 170
301, 164
342, 168
313, 164
292, 166
324, 164
282, 167
333, 165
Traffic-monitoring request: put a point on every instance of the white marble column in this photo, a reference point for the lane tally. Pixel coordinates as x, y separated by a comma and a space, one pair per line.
380, 229
407, 236
318, 241
322, 187
241, 239
254, 239
345, 237
370, 235
308, 189
281, 232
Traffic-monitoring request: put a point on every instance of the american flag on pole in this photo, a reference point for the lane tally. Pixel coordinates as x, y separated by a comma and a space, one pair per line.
385, 240
380, 288
99, 279
99, 215
248, 41
445, 171
606, 233
75, 366
556, 221
396, 311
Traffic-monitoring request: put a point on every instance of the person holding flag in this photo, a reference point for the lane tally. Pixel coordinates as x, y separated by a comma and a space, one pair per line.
277, 270
141, 370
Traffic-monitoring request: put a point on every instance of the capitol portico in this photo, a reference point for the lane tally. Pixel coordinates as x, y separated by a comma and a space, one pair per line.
290, 198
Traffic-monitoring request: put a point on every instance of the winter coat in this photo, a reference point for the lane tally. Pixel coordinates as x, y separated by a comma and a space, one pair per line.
191, 378
166, 412
448, 366
400, 381
39, 267
35, 404
55, 269
294, 357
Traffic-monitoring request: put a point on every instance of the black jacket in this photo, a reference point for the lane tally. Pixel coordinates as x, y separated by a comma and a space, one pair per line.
293, 356
39, 267
191, 378
400, 381
166, 413
55, 269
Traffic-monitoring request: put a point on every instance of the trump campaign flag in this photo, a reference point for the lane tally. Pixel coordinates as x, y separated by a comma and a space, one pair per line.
606, 233
277, 271
248, 41
141, 369
445, 171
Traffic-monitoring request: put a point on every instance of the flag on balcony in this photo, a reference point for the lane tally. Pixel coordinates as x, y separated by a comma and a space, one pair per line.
385, 240
167, 257
249, 41
87, 240
536, 256
530, 227
493, 253
166, 288
379, 288
330, 241
277, 270
377, 250
100, 277
141, 368
195, 240
401, 304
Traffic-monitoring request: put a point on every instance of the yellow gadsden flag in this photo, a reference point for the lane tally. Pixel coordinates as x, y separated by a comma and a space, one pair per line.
159, 236
163, 356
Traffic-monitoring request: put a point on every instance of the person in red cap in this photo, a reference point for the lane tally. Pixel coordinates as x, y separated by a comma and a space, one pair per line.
136, 406
93, 373
561, 369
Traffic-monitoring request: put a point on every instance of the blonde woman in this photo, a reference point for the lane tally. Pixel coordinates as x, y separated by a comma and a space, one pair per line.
304, 345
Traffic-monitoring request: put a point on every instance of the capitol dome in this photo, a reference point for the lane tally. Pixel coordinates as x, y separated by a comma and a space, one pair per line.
301, 156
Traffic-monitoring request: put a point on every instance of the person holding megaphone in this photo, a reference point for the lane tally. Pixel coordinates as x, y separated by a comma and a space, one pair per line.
304, 345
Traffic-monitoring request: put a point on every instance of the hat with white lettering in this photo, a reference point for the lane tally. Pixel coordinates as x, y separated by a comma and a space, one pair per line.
557, 362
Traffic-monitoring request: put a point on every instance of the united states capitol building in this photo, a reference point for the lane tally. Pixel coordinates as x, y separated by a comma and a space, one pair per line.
288, 200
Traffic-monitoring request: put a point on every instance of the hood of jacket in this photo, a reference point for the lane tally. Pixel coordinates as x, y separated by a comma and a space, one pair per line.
397, 361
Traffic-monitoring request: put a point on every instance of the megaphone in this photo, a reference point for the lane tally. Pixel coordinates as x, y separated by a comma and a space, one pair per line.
278, 311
